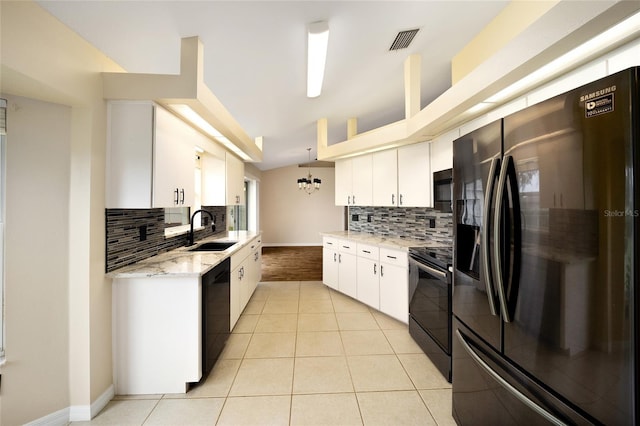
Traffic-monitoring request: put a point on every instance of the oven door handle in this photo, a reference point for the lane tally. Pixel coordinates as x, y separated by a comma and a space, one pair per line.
440, 274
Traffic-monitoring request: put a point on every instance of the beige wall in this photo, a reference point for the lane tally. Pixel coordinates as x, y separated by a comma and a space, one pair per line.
289, 216
37, 270
67, 364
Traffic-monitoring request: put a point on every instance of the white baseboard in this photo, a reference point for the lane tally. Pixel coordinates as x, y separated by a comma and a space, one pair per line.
76, 413
59, 418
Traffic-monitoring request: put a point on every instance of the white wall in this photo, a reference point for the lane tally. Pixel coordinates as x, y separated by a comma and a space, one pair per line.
289, 216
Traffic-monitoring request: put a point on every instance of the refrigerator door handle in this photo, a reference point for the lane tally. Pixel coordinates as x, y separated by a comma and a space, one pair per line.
497, 219
512, 390
486, 214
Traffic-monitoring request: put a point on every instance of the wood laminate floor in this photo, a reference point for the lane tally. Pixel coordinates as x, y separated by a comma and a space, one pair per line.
292, 263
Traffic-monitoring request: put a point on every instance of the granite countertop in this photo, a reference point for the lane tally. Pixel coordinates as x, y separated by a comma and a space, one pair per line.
182, 262
381, 241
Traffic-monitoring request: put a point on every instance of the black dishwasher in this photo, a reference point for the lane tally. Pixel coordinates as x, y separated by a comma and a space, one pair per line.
215, 314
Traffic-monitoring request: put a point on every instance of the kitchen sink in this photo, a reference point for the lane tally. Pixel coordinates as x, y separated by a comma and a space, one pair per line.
214, 246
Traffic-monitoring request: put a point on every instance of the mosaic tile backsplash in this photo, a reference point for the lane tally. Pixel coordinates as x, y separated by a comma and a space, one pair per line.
405, 222
137, 234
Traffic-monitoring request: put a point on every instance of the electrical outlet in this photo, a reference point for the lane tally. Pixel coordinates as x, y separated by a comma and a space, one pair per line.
369, 217
142, 230
355, 218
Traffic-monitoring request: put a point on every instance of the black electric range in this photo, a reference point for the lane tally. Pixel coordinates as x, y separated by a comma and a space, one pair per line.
430, 303
439, 256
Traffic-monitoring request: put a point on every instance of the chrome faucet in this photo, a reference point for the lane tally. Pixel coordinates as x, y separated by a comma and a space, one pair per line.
213, 224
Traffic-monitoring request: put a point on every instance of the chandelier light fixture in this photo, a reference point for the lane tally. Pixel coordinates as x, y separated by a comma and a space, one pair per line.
309, 184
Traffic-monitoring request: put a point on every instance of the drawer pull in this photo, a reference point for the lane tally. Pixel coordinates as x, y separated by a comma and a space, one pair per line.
391, 257
347, 247
366, 251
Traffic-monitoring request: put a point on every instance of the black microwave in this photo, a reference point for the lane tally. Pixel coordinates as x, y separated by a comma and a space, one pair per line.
443, 190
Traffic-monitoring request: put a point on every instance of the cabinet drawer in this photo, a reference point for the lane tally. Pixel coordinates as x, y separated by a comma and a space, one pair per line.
346, 246
330, 243
394, 257
238, 257
367, 251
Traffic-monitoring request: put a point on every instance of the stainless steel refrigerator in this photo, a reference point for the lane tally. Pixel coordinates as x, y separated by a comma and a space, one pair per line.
547, 233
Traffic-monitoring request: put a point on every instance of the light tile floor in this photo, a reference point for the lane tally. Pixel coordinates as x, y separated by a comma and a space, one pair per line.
303, 354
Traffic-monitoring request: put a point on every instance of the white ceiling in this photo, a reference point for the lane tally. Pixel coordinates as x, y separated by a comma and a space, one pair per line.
255, 56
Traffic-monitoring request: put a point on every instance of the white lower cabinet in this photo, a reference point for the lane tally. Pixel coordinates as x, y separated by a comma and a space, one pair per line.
368, 286
234, 296
330, 267
339, 265
245, 274
347, 267
156, 334
256, 264
376, 276
394, 284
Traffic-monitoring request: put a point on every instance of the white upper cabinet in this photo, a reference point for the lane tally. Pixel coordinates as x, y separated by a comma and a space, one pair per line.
234, 180
222, 180
150, 157
344, 182
174, 161
214, 192
441, 154
353, 181
385, 178
397, 177
362, 177
414, 176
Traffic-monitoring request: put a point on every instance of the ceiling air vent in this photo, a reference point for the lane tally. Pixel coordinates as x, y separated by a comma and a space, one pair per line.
403, 39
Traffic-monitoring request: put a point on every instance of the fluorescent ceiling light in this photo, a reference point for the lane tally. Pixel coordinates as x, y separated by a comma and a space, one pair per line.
317, 39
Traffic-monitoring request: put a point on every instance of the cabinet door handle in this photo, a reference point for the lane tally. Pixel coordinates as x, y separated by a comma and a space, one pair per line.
339, 258
400, 199
374, 269
381, 272
182, 192
393, 199
334, 257
348, 199
177, 193
353, 198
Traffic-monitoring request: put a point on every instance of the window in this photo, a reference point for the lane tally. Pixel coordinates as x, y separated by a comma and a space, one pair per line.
3, 135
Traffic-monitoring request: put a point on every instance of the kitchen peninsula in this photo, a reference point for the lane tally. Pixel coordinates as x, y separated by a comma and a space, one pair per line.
158, 312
